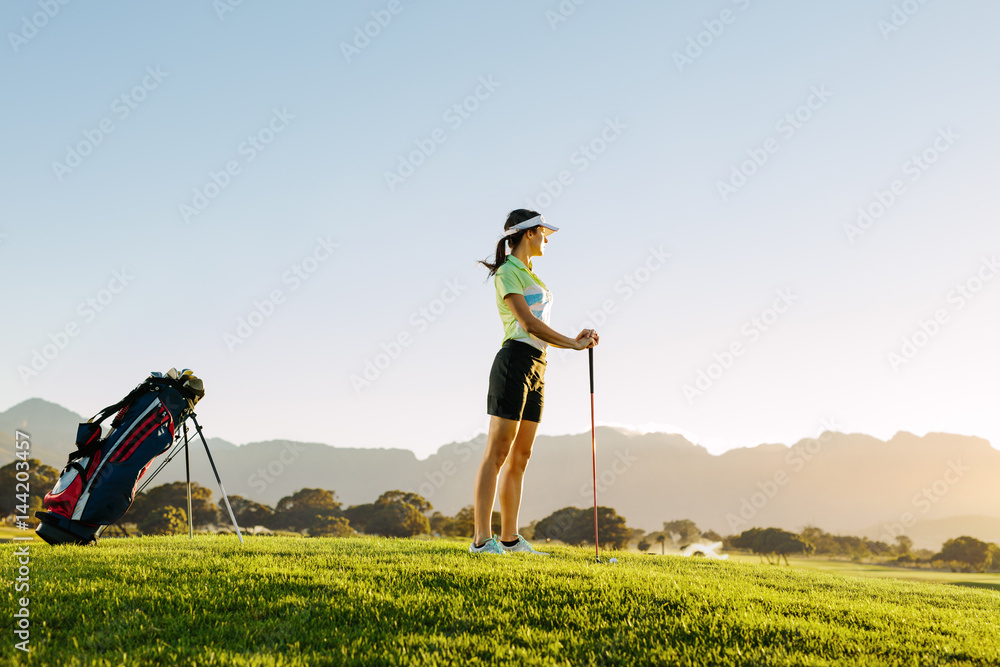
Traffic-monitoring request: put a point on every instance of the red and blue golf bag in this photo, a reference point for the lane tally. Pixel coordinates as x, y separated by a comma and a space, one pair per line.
99, 482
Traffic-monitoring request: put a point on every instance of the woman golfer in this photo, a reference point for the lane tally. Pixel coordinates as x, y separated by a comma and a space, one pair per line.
517, 379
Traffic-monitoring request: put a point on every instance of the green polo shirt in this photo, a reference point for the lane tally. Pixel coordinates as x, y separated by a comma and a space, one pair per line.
513, 277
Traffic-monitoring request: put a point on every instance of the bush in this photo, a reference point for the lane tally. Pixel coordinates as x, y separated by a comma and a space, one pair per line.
248, 513
397, 520
299, 511
167, 520
330, 526
967, 553
174, 495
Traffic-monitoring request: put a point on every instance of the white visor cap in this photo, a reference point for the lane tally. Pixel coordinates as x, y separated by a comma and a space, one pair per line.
537, 221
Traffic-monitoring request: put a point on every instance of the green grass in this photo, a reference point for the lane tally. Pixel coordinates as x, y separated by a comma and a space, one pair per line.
281, 601
7, 533
849, 568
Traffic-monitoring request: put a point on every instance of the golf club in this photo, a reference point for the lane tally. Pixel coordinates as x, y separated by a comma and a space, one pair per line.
593, 448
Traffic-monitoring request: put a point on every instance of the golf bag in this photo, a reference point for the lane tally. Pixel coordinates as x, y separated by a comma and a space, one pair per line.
99, 482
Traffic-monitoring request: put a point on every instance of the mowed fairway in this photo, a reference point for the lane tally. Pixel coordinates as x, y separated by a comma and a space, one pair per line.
287, 601
851, 569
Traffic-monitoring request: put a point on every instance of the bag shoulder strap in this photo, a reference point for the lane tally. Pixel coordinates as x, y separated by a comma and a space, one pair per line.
111, 409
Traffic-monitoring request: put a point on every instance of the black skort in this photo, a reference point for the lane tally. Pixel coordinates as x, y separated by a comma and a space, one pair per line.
517, 382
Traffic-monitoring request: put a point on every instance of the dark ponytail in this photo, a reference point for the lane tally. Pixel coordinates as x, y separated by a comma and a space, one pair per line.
513, 218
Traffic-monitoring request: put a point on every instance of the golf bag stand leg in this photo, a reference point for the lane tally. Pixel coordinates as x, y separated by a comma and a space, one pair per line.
187, 469
218, 479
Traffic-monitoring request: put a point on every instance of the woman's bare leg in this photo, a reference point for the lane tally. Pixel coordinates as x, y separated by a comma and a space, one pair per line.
498, 444
511, 478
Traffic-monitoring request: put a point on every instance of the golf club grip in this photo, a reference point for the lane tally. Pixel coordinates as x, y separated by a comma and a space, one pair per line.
590, 353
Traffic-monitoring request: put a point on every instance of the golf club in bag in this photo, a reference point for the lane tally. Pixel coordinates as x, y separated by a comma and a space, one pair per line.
101, 478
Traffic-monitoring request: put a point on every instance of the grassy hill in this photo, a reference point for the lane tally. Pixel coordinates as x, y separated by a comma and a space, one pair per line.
287, 601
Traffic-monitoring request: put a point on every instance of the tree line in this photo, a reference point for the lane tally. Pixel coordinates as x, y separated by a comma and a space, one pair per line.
317, 512
162, 510
961, 554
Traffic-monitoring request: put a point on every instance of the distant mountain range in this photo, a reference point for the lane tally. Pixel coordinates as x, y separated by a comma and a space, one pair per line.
930, 488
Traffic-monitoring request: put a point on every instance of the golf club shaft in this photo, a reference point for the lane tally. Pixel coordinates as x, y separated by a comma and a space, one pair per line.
197, 427
593, 447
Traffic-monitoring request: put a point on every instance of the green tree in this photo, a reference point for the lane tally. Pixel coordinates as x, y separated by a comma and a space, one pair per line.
420, 503
439, 523
967, 551
325, 525
637, 535
994, 557
772, 543
528, 532
612, 530
681, 531
248, 513
299, 511
815, 536
575, 526
397, 520
662, 540
853, 547
644, 545
174, 494
463, 524
560, 525
41, 480
397, 514
903, 545
711, 536
166, 520
360, 515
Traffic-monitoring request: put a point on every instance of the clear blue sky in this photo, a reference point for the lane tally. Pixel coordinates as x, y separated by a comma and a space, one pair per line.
309, 133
